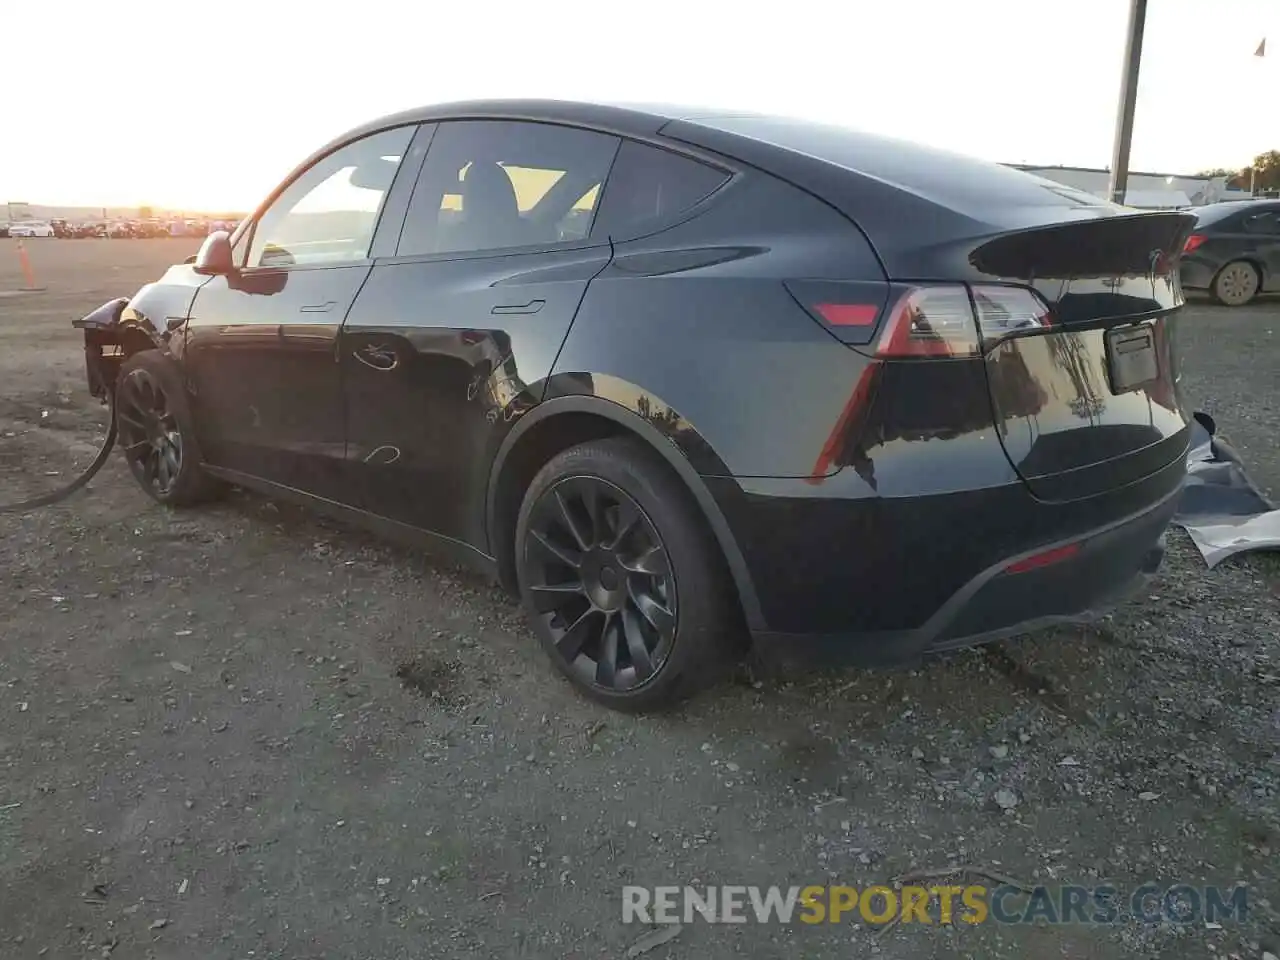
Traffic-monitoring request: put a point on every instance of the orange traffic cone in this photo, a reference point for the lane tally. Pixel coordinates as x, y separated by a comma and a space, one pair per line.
28, 274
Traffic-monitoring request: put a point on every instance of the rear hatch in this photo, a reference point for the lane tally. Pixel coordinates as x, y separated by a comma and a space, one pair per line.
1087, 400
1062, 298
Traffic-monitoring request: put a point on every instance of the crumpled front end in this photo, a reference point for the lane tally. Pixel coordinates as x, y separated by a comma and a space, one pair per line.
103, 349
149, 320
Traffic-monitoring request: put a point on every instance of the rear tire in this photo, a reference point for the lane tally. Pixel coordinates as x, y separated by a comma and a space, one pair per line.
1236, 284
624, 583
157, 432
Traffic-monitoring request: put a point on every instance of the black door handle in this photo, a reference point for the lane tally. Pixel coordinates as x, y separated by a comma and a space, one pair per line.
533, 306
318, 307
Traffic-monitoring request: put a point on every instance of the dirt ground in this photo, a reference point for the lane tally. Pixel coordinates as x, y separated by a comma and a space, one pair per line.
242, 732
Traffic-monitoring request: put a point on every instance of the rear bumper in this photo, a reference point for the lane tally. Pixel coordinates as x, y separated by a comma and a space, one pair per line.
1111, 562
1196, 274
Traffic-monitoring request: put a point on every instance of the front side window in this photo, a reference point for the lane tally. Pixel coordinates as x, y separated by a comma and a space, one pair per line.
490, 184
329, 213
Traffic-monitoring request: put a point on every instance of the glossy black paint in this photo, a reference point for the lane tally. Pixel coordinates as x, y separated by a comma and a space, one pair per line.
1228, 238
261, 363
852, 495
438, 358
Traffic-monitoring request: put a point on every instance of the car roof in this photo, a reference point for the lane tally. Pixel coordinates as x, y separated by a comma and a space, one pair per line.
896, 191
635, 119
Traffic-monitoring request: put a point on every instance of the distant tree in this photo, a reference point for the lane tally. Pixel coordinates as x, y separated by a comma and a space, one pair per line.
144, 213
1236, 179
1266, 168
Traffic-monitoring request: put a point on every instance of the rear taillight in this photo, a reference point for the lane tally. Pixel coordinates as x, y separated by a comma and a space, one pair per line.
928, 320
958, 321
848, 309
1003, 311
1193, 242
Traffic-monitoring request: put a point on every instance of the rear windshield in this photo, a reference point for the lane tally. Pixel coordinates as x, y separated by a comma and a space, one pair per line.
954, 180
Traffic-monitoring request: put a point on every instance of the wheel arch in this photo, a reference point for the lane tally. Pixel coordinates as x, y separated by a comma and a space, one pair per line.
566, 421
1252, 260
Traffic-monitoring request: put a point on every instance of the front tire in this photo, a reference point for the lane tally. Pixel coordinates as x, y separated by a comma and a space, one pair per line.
624, 583
157, 432
1236, 284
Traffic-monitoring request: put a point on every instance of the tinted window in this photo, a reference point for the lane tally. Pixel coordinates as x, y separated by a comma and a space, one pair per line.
489, 184
329, 213
1267, 222
648, 183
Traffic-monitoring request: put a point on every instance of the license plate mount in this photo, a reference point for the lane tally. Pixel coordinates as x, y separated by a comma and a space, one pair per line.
1131, 358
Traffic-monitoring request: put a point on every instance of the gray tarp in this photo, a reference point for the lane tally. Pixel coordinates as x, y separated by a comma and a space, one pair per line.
1221, 508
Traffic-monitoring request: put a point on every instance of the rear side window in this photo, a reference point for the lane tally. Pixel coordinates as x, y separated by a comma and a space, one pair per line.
648, 184
1267, 222
494, 184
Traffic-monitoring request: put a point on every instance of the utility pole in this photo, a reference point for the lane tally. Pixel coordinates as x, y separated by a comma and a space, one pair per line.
1128, 100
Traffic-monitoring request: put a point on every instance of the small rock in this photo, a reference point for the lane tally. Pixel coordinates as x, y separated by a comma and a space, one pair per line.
1024, 738
999, 751
1068, 762
180, 667
1148, 795
158, 924
1005, 799
732, 767
917, 753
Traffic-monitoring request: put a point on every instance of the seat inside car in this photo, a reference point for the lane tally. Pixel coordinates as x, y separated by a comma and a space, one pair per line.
490, 210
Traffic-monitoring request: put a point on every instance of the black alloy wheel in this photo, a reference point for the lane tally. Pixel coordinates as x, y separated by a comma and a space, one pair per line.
599, 575
157, 433
149, 432
622, 578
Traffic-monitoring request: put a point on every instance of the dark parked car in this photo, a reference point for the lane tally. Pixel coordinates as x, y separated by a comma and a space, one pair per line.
1234, 252
681, 380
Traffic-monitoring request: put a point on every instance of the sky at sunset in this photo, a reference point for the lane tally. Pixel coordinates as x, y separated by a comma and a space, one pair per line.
207, 106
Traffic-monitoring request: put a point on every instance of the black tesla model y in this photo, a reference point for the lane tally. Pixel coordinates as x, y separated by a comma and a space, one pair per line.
682, 379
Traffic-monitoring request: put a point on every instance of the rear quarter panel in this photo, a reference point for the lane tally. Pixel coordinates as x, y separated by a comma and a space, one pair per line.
693, 330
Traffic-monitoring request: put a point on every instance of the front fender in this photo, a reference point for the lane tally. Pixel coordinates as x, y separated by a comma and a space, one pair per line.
123, 326
147, 314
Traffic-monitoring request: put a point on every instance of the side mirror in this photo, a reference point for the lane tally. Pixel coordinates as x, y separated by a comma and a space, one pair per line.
214, 258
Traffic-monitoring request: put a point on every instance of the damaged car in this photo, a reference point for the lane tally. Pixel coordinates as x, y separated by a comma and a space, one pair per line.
683, 381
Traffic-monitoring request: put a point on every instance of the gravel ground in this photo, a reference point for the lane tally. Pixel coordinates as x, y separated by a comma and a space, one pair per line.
243, 732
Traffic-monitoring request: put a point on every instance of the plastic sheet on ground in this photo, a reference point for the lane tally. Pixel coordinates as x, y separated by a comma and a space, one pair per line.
1221, 508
